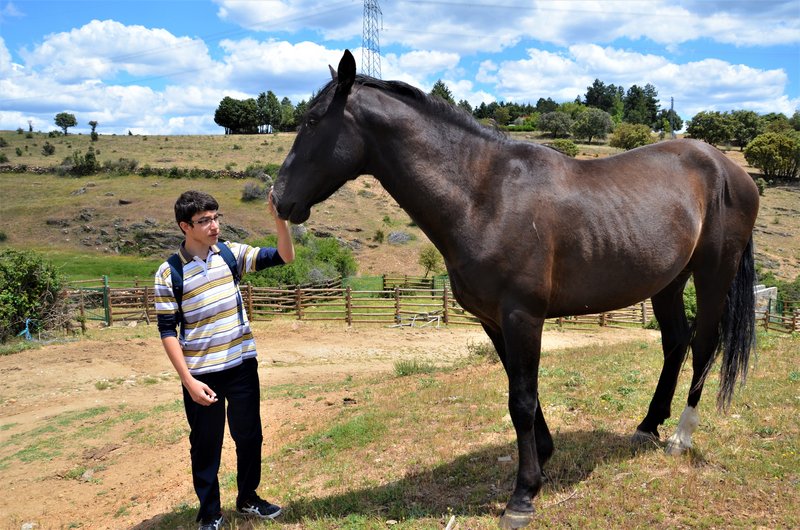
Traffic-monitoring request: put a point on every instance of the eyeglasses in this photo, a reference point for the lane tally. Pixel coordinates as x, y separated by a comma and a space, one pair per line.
203, 221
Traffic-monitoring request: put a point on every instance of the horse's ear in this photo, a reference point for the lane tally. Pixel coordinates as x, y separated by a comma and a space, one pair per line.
346, 74
333, 72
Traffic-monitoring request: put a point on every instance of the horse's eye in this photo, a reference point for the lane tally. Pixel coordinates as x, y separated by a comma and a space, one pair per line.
312, 122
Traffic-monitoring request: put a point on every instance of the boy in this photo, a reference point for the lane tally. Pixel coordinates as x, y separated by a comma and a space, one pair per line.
215, 353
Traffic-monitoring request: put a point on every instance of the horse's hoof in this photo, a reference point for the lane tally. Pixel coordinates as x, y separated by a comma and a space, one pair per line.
513, 519
676, 447
641, 438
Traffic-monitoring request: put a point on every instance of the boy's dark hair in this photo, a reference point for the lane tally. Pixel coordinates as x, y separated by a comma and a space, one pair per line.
191, 202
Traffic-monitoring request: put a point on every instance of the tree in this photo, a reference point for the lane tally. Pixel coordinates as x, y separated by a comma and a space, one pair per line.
641, 105
777, 155
747, 124
93, 125
464, 104
593, 123
667, 121
544, 106
605, 97
65, 120
712, 127
440, 89
631, 135
300, 112
287, 122
502, 115
430, 259
237, 116
272, 111
559, 124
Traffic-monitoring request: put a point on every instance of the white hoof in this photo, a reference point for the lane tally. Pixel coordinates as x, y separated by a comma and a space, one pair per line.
681, 442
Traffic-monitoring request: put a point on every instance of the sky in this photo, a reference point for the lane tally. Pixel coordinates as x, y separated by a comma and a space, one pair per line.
163, 66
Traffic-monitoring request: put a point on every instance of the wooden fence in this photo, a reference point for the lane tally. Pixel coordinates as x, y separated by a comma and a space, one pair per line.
421, 305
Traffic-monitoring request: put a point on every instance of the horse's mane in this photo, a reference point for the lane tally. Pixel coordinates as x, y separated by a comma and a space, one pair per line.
433, 104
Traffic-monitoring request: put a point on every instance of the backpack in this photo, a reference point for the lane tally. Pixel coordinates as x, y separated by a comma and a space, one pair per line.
176, 271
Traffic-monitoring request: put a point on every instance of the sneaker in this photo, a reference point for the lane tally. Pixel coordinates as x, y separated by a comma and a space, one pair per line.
258, 507
212, 524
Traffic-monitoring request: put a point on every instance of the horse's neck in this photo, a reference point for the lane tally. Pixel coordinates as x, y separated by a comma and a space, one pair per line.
425, 166
430, 178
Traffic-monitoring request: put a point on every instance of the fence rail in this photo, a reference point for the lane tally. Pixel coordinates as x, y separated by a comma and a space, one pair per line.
409, 302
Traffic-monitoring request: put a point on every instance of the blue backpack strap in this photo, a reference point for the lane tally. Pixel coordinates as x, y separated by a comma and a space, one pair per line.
227, 254
176, 274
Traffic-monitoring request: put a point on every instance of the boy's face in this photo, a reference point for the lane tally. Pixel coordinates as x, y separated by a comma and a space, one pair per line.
203, 229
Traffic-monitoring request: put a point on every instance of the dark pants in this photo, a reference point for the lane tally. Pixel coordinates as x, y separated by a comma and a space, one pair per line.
240, 388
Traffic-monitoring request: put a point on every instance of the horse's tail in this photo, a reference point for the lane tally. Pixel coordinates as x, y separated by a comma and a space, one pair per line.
737, 328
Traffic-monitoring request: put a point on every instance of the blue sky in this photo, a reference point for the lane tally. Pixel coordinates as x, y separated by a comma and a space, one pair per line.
162, 66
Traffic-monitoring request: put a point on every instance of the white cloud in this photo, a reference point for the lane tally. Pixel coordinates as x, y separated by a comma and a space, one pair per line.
102, 49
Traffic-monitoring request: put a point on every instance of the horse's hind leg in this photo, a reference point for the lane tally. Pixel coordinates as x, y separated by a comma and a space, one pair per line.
712, 289
675, 334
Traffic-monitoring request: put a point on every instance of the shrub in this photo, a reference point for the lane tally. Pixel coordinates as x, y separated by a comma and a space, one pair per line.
3, 142
48, 149
123, 166
19, 130
30, 288
254, 192
430, 259
316, 259
3, 158
567, 147
3, 236
762, 185
95, 136
777, 155
18, 151
629, 136
379, 236
79, 164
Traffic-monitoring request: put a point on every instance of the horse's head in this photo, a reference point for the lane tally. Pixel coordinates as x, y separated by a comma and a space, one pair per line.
327, 152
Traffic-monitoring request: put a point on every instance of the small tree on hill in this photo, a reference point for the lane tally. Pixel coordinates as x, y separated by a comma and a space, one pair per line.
558, 123
65, 120
430, 259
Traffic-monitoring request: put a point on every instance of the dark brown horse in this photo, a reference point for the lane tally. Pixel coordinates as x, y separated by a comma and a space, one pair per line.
528, 233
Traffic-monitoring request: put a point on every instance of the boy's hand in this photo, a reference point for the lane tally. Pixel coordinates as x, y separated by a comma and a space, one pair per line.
201, 393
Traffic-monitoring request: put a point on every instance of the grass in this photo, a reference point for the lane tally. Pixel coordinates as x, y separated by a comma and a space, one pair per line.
420, 448
429, 445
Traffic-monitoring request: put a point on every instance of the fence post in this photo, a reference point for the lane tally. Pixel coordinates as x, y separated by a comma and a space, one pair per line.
298, 302
602, 319
146, 305
644, 313
445, 302
348, 304
397, 304
383, 282
250, 301
83, 313
106, 300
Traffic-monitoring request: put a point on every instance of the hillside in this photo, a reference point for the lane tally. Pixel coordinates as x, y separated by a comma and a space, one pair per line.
108, 214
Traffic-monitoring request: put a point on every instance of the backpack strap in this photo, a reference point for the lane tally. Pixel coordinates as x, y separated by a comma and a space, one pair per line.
227, 254
176, 274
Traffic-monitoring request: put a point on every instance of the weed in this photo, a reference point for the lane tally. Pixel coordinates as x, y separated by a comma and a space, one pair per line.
482, 351
404, 368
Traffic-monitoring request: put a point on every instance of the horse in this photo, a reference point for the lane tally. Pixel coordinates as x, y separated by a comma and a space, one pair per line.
528, 233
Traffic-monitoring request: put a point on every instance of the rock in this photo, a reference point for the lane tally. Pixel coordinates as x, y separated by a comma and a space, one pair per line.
125, 201
399, 238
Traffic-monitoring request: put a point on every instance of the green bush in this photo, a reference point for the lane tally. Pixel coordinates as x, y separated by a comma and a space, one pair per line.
30, 288
567, 147
3, 158
18, 151
3, 142
629, 136
777, 155
762, 185
79, 164
3, 236
316, 260
48, 149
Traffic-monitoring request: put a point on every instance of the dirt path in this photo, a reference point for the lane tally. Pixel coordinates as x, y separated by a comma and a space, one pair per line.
67, 462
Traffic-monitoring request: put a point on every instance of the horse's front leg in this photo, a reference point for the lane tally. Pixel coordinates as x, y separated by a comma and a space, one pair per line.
522, 335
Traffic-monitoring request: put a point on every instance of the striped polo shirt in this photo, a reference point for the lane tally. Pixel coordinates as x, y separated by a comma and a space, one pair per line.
213, 339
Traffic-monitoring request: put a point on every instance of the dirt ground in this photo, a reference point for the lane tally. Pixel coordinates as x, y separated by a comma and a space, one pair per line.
103, 478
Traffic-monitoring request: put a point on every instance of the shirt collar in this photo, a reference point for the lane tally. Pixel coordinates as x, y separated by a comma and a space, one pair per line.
186, 257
